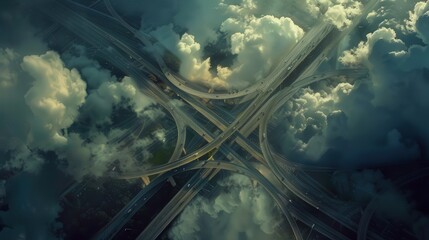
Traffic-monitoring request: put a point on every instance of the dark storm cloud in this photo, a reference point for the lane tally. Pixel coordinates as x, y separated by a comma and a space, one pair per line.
33, 206
20, 24
375, 121
392, 203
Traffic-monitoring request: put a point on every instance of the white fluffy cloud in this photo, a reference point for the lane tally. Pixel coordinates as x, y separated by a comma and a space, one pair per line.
54, 98
42, 98
39, 99
258, 43
193, 67
248, 36
359, 54
240, 211
253, 42
419, 9
340, 13
419, 20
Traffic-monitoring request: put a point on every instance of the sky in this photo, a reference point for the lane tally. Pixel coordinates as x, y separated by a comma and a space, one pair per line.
64, 104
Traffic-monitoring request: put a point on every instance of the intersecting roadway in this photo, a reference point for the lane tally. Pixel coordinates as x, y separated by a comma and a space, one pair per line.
118, 46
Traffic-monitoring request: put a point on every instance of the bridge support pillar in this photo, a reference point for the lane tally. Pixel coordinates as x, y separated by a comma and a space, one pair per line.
145, 180
171, 181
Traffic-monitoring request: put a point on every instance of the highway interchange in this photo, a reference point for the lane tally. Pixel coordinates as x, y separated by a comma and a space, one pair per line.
121, 45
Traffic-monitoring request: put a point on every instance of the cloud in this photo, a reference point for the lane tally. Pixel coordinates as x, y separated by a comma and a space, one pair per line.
15, 113
342, 14
372, 121
48, 107
104, 140
70, 104
105, 91
95, 154
54, 98
45, 106
91, 158
29, 201
33, 206
223, 44
192, 66
98, 139
392, 203
331, 126
245, 39
258, 43
420, 9
24, 159
422, 23
334, 128
101, 102
361, 53
21, 26
91, 70
40, 98
240, 211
